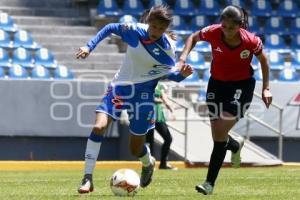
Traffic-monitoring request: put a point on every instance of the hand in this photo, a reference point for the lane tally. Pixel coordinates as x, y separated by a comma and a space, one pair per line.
267, 97
83, 52
186, 70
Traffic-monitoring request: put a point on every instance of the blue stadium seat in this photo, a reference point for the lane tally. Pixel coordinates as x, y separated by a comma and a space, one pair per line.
17, 72
133, 7
180, 26
196, 60
157, 2
255, 63
295, 60
240, 3
206, 75
184, 8
198, 22
275, 25
191, 79
295, 26
40, 72
24, 39
258, 75
7, 23
127, 19
202, 46
201, 95
208, 7
288, 8
22, 57
2, 74
108, 8
276, 60
45, 57
5, 41
62, 72
288, 74
276, 43
5, 61
261, 8
253, 25
295, 41
179, 43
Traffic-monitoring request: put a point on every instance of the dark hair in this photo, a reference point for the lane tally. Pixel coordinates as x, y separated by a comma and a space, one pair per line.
161, 12
237, 14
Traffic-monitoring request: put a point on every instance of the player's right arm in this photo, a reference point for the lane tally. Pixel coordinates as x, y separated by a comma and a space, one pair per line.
127, 32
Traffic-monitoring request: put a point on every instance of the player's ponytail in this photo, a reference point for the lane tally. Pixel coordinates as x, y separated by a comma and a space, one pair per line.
237, 14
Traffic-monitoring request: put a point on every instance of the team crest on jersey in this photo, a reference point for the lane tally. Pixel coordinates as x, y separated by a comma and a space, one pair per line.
245, 54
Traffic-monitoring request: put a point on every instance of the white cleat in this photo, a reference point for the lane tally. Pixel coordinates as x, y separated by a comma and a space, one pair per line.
236, 157
206, 188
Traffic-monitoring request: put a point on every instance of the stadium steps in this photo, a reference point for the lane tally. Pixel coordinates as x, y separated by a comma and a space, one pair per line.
200, 143
63, 26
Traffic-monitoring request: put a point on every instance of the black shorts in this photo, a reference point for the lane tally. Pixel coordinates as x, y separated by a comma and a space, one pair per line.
233, 97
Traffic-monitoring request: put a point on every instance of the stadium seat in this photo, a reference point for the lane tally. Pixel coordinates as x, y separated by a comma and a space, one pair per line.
7, 23
40, 72
288, 74
127, 19
179, 43
295, 60
206, 75
157, 2
45, 57
5, 61
17, 71
253, 25
198, 22
5, 41
184, 8
295, 41
2, 74
276, 60
62, 72
288, 8
24, 39
133, 7
275, 25
192, 79
196, 60
258, 75
22, 57
239, 3
261, 8
274, 42
180, 26
202, 46
201, 95
208, 7
108, 8
295, 26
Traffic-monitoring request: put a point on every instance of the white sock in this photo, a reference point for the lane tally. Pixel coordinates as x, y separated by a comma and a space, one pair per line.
91, 156
147, 158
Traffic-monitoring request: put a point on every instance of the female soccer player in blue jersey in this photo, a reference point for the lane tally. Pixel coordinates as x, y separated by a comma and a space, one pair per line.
150, 57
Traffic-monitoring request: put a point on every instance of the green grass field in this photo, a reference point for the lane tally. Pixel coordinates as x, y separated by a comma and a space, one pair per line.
233, 184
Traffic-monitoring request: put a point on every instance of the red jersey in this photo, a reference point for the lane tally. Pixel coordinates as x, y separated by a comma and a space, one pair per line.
231, 64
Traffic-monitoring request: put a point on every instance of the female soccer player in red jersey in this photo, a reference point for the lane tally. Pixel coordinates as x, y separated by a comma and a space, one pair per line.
231, 85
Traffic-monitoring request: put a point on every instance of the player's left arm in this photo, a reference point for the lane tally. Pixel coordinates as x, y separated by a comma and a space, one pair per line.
266, 94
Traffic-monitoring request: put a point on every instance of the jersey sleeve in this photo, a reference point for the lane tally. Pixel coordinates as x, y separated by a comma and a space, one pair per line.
205, 33
257, 46
127, 32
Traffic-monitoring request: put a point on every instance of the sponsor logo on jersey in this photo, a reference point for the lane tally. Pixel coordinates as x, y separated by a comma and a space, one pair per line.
245, 54
218, 49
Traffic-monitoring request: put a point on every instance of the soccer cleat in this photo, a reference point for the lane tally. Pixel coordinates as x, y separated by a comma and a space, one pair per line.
147, 172
86, 184
236, 157
206, 188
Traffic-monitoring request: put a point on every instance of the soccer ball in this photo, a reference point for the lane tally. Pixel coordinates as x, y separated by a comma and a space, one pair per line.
125, 182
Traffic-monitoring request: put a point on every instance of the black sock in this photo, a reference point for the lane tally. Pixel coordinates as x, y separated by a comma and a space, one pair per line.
232, 145
216, 160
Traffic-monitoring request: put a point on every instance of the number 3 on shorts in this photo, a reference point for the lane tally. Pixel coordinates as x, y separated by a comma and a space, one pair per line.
237, 94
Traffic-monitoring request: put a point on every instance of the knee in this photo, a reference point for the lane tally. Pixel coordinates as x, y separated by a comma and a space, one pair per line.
99, 129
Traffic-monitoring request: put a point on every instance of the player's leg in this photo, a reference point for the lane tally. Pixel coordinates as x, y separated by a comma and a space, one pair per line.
163, 130
92, 151
150, 140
